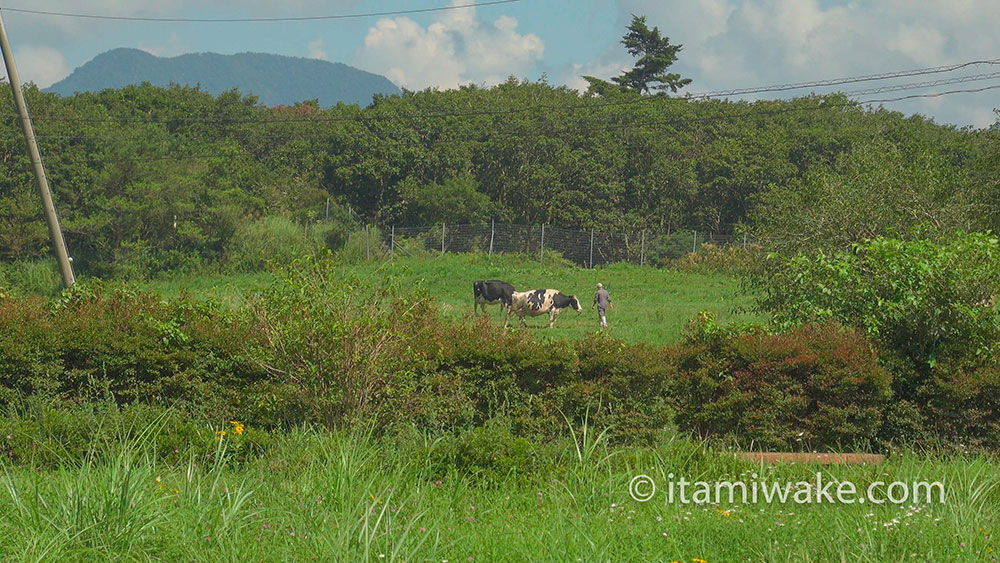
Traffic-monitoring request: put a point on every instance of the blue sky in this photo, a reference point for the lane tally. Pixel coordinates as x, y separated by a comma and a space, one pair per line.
727, 43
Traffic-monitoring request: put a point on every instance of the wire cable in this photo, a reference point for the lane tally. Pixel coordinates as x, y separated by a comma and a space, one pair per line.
839, 81
260, 20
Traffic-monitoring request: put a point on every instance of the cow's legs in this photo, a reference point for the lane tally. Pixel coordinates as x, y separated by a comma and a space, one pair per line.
552, 318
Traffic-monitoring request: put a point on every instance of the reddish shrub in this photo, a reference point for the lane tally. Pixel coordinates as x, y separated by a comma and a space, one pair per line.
816, 386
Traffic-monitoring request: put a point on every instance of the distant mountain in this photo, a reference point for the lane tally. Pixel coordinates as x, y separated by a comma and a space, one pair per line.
274, 79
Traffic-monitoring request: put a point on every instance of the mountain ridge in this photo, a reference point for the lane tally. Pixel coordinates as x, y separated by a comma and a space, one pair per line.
274, 79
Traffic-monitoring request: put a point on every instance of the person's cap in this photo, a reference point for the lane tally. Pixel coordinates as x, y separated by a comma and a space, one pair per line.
600, 285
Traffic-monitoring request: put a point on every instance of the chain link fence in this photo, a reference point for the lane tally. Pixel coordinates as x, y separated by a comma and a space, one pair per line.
584, 248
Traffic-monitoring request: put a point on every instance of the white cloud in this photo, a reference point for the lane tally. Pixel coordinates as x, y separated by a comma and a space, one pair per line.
605, 67
316, 50
171, 48
921, 44
457, 48
741, 43
41, 65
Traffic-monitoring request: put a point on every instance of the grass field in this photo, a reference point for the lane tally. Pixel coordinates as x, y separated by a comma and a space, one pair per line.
650, 305
345, 496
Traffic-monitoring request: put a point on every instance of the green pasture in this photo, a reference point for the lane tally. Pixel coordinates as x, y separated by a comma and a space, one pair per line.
650, 304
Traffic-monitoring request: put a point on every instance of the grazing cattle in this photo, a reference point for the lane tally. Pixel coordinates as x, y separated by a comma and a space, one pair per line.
539, 302
491, 292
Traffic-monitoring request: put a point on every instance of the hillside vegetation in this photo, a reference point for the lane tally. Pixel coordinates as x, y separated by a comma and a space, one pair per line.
150, 179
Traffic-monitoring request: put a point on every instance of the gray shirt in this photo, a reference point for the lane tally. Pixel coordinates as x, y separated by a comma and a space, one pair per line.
602, 299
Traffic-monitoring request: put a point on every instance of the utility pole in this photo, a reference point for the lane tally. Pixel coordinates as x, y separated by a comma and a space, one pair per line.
36, 162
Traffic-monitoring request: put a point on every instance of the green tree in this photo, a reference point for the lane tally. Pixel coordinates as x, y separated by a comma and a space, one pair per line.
655, 54
454, 201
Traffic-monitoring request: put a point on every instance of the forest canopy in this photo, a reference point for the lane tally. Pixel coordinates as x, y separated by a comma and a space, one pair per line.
163, 174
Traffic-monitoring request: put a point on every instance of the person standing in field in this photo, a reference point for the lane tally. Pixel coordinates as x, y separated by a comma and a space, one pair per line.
602, 300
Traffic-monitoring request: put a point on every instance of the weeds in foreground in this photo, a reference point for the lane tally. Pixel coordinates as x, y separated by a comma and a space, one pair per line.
349, 495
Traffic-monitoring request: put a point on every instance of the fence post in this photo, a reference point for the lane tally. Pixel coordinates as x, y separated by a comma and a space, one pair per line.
368, 246
694, 245
541, 247
642, 249
744, 239
591, 262
393, 241
327, 209
492, 229
442, 239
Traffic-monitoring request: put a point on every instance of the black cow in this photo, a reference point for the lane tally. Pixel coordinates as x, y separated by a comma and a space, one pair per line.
491, 292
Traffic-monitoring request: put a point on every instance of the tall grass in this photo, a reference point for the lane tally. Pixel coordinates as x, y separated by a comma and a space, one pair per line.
348, 495
31, 277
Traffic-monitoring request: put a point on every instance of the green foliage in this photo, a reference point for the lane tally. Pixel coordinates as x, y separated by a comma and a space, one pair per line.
876, 189
455, 201
927, 301
279, 241
321, 346
31, 277
489, 454
664, 248
151, 180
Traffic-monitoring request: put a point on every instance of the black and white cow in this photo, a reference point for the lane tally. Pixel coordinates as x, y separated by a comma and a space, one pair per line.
491, 292
539, 302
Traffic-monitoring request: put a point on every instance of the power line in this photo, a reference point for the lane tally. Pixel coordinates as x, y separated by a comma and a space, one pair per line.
259, 20
839, 81
927, 84
932, 95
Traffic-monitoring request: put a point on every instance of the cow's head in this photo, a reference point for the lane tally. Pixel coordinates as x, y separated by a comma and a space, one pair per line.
563, 301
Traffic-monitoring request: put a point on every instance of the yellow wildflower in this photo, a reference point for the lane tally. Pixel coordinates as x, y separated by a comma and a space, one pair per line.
237, 426
696, 560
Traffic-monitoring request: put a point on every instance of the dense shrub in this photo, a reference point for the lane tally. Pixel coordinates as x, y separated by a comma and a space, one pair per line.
130, 345
962, 405
929, 306
664, 248
817, 385
316, 348
714, 258
925, 301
